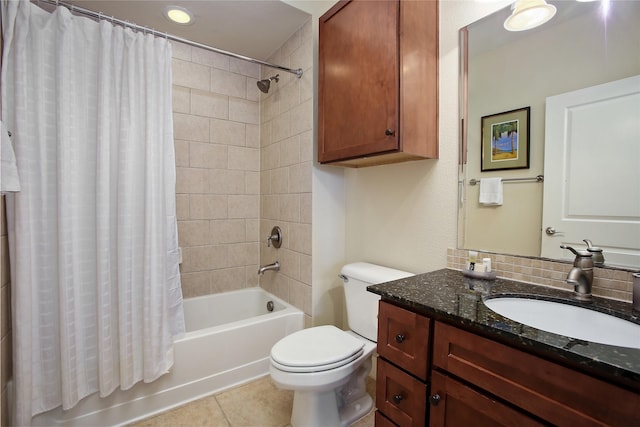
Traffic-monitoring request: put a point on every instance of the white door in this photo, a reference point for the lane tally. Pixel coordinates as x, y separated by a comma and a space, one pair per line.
592, 171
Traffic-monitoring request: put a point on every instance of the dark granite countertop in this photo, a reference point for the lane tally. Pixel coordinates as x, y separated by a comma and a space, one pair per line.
449, 296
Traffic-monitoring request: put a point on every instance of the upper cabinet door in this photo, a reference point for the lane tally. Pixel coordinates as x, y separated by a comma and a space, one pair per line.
377, 90
359, 82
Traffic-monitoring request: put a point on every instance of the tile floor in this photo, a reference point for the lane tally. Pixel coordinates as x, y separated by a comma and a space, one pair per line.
256, 404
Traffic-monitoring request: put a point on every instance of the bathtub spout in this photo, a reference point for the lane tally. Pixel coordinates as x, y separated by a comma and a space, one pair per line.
275, 267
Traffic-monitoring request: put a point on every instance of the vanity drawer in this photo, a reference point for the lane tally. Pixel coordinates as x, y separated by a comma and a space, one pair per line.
555, 393
403, 338
399, 396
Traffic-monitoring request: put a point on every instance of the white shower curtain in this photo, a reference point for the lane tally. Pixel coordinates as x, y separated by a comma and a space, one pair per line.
93, 239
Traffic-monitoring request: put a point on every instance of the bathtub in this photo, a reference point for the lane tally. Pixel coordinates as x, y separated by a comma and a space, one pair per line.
228, 341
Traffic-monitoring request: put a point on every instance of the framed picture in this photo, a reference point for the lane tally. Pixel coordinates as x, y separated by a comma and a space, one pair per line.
505, 140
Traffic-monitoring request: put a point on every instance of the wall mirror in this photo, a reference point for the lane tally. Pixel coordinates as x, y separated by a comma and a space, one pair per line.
586, 45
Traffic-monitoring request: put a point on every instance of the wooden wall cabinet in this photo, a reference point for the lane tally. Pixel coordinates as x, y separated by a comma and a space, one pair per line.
378, 82
472, 380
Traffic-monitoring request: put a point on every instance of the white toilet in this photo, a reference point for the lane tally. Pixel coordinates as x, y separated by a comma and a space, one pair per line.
327, 367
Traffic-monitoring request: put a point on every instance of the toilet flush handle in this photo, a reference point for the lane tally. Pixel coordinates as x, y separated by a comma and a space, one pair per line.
344, 278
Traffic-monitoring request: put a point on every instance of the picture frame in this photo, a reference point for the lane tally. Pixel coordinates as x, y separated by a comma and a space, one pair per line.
505, 140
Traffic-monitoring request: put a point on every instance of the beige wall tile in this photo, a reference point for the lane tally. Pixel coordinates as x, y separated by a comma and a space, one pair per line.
252, 183
190, 75
305, 208
181, 99
224, 181
244, 254
208, 206
228, 279
206, 155
302, 117
241, 206
306, 146
193, 233
300, 178
202, 258
281, 127
180, 51
290, 151
244, 158
290, 207
244, 68
270, 207
253, 230
195, 284
301, 238
228, 133
241, 110
182, 206
228, 83
190, 180
270, 157
228, 231
190, 128
209, 104
182, 153
280, 181
252, 136
211, 59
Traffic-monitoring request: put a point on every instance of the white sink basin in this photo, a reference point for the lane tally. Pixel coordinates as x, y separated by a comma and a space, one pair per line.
568, 320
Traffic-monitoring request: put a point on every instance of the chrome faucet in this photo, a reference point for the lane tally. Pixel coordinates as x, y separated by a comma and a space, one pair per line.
275, 267
581, 275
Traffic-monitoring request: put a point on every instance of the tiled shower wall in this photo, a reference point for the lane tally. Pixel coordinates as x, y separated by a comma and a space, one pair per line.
286, 141
217, 139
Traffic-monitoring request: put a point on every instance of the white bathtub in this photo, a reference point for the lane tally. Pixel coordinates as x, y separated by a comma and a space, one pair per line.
228, 341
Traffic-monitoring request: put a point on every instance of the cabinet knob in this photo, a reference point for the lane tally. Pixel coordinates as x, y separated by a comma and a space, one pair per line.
389, 132
400, 338
397, 398
435, 399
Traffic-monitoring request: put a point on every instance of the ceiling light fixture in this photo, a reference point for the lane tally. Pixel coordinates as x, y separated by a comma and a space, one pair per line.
178, 15
529, 14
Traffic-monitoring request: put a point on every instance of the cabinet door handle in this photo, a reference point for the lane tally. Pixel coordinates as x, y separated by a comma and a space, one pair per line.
389, 132
400, 338
397, 398
435, 399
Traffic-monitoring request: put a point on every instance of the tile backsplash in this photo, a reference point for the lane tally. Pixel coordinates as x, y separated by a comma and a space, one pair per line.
608, 282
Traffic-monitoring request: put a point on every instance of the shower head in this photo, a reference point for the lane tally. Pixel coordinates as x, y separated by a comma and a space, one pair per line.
263, 85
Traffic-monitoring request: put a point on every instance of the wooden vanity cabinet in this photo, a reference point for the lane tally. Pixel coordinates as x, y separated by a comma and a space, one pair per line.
378, 82
465, 379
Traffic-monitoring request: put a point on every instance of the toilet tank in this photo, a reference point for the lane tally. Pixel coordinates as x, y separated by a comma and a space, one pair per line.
362, 306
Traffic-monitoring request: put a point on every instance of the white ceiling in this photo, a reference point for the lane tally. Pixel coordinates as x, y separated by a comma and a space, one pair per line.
253, 28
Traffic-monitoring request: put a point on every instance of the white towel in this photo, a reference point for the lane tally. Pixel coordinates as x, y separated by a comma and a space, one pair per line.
9, 180
491, 191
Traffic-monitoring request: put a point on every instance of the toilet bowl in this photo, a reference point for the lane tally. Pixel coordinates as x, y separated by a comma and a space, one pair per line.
327, 367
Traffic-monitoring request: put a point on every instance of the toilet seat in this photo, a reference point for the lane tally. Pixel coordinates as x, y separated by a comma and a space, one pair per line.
316, 349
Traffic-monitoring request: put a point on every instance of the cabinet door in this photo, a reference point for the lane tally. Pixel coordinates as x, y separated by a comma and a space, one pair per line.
553, 392
456, 405
403, 339
399, 396
358, 90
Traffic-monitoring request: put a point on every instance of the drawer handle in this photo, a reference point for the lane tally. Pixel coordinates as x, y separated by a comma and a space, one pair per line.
435, 399
389, 132
400, 338
397, 398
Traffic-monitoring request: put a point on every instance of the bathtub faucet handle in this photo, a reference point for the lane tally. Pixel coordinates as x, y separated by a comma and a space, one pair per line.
275, 237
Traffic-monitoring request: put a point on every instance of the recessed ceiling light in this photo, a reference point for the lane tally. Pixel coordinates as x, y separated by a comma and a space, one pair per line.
178, 15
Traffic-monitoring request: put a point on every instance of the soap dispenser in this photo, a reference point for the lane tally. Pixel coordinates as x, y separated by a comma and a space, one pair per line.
596, 253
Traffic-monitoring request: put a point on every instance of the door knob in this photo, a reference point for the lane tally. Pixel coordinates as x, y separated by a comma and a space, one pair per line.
551, 231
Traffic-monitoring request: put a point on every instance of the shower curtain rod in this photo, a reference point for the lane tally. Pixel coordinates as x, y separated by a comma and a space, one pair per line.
91, 13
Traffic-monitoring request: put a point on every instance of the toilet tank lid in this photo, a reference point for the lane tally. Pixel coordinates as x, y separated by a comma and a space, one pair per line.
373, 273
